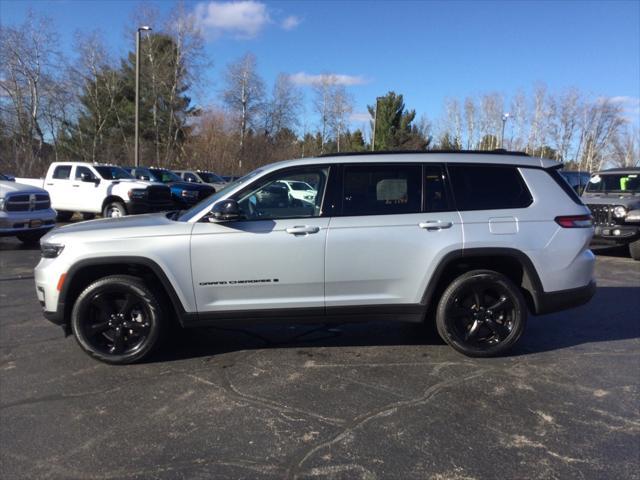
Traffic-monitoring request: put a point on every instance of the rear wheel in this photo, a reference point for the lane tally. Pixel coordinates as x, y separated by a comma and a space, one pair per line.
481, 313
634, 250
117, 319
114, 210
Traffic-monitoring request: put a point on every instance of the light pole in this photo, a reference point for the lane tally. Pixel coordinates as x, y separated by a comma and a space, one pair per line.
505, 116
375, 121
137, 125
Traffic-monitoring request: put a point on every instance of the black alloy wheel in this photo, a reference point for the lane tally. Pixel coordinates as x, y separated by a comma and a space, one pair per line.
117, 319
481, 314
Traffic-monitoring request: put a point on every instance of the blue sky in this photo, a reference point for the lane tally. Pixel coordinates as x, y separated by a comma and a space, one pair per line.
427, 50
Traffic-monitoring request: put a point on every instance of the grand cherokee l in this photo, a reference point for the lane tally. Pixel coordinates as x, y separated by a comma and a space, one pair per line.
471, 241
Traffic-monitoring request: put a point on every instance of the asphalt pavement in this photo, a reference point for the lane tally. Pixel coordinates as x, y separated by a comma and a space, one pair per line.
365, 401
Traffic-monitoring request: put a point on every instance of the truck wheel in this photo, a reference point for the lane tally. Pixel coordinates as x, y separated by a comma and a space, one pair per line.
64, 216
481, 314
30, 238
634, 250
117, 320
114, 210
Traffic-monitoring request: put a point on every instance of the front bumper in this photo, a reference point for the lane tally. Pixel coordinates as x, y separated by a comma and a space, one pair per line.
616, 234
14, 223
549, 302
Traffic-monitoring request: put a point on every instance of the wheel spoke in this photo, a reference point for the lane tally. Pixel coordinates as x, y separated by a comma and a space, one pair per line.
473, 331
105, 305
98, 328
498, 329
501, 303
118, 342
476, 298
129, 302
458, 311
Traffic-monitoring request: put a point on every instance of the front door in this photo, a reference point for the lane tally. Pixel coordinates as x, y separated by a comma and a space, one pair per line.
271, 259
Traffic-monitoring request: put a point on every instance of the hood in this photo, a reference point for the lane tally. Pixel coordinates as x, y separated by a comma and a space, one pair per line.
111, 224
628, 200
7, 186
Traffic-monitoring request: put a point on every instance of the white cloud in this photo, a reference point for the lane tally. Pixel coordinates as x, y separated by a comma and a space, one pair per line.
302, 78
244, 19
291, 22
360, 117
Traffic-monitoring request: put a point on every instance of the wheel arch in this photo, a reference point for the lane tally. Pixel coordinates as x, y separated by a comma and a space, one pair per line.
111, 199
86, 271
512, 263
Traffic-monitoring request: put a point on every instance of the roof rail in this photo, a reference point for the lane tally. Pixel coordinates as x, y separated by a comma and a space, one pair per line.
498, 151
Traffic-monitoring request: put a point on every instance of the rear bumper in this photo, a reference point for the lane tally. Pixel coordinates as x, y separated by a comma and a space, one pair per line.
549, 302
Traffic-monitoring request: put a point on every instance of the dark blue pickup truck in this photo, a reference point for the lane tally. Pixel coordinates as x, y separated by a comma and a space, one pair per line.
183, 194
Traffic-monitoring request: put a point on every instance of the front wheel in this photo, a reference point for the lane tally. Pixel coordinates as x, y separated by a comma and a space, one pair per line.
117, 320
114, 210
481, 314
634, 250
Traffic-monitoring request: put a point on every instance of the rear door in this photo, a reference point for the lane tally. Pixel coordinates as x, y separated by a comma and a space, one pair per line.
395, 223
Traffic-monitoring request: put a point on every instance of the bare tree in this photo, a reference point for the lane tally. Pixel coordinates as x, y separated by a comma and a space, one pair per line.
244, 94
602, 121
519, 122
563, 122
340, 106
470, 117
323, 90
284, 106
453, 121
625, 148
538, 129
492, 108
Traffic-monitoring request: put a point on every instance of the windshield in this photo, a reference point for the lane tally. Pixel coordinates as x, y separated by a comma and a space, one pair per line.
164, 176
617, 183
211, 177
189, 214
113, 173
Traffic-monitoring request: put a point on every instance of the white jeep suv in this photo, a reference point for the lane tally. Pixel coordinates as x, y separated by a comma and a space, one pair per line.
471, 241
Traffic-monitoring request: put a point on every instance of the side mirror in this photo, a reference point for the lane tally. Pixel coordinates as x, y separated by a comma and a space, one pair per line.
226, 210
89, 178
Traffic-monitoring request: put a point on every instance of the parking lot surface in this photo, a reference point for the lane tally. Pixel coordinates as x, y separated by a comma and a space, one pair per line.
380, 400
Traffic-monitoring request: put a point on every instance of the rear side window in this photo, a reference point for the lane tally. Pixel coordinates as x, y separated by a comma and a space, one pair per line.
62, 172
488, 187
381, 189
190, 177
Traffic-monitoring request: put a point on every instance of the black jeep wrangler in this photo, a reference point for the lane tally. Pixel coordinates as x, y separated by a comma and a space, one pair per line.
613, 196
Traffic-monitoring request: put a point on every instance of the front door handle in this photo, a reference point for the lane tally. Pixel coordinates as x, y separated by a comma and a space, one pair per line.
302, 230
432, 225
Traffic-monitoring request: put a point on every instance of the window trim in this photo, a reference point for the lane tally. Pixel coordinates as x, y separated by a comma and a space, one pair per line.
71, 170
488, 165
447, 188
266, 178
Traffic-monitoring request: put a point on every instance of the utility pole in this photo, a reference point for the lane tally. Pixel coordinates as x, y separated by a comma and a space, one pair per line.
375, 122
505, 116
137, 121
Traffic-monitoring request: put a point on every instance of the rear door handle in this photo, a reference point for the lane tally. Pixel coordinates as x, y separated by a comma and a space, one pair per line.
302, 230
432, 225
49, 184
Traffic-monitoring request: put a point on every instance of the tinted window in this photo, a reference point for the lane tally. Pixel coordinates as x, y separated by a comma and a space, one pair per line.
190, 177
618, 183
62, 172
113, 173
83, 171
381, 189
488, 187
436, 198
271, 198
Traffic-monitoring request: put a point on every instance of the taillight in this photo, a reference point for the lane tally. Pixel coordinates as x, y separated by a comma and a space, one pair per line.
575, 221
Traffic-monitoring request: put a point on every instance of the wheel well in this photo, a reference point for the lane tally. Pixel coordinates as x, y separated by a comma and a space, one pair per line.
112, 199
511, 267
88, 274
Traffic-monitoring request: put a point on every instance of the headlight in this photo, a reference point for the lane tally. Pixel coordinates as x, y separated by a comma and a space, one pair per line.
138, 194
50, 250
189, 193
619, 211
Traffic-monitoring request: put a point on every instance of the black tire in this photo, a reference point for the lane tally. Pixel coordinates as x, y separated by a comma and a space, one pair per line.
30, 238
63, 216
634, 250
114, 210
481, 314
118, 320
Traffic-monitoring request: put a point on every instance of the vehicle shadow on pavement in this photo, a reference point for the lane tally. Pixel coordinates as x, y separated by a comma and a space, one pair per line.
611, 315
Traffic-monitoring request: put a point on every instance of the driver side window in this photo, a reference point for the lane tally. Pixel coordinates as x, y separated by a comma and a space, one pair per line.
275, 197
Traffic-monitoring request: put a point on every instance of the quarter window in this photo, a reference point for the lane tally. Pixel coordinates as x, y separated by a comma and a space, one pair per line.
62, 172
436, 198
381, 189
488, 187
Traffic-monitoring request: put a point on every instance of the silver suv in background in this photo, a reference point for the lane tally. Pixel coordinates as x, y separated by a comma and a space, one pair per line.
202, 176
25, 211
470, 241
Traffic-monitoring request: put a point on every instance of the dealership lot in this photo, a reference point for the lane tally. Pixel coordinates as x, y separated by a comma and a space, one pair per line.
367, 401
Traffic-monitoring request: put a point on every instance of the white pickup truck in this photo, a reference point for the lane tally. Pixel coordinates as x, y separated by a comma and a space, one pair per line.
91, 188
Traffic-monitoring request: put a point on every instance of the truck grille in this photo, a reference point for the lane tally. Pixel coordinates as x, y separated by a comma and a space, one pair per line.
602, 214
159, 195
27, 202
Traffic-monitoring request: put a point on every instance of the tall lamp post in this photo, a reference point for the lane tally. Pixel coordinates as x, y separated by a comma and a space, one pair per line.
145, 28
505, 116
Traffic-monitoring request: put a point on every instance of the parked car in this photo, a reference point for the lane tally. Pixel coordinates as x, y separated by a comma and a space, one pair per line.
474, 241
613, 196
300, 190
92, 188
184, 194
577, 180
230, 178
25, 211
203, 177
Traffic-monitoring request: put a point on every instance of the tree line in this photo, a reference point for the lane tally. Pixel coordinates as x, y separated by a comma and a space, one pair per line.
54, 108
